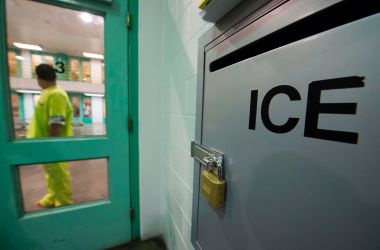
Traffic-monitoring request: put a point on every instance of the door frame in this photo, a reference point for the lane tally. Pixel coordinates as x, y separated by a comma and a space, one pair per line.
133, 70
6, 127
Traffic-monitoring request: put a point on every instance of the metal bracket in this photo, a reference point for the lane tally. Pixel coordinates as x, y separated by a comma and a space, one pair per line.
208, 157
130, 124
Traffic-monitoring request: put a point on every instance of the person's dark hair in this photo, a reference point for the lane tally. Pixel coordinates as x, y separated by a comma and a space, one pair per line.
46, 72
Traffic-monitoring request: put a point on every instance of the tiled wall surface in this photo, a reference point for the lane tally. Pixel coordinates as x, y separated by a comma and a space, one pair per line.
181, 28
168, 45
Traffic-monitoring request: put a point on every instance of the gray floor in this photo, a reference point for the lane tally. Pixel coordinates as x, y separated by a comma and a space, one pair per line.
151, 244
89, 182
89, 129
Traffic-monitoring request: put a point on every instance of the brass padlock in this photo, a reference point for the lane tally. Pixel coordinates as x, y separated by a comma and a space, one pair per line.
213, 188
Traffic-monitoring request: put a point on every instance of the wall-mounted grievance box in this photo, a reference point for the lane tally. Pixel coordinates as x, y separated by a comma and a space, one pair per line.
289, 94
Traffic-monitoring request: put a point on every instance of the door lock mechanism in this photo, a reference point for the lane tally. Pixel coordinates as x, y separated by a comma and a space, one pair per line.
213, 184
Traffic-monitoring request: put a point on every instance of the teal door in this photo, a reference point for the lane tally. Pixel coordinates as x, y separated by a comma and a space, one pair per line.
97, 161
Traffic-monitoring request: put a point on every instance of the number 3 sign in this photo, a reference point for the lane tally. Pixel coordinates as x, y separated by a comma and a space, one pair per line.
60, 67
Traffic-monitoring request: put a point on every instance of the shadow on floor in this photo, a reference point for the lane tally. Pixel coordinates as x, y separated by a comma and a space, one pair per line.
151, 244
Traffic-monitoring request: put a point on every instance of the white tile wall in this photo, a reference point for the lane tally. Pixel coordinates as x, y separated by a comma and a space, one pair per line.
182, 27
167, 69
150, 51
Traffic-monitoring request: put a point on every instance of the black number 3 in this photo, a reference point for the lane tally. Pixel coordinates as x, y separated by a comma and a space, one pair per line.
60, 67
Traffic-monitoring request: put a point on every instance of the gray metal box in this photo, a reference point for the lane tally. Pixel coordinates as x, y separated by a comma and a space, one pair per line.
290, 94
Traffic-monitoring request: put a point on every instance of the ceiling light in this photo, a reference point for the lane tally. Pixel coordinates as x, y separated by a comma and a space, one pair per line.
87, 18
25, 91
27, 46
20, 58
91, 55
95, 95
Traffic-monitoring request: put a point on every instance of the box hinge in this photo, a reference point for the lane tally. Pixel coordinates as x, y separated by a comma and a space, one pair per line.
131, 213
130, 124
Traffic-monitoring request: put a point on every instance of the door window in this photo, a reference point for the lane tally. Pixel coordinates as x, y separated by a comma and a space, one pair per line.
72, 43
76, 182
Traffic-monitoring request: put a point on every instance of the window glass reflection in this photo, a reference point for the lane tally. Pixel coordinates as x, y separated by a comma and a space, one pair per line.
49, 60
74, 51
36, 60
76, 106
74, 70
87, 108
12, 62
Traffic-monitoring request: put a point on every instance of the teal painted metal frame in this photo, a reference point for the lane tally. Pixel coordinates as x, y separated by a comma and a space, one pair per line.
133, 113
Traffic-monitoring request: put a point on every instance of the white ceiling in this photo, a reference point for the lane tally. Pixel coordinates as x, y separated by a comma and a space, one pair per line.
54, 28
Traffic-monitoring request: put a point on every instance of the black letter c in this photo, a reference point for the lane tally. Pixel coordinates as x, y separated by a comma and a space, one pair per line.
293, 95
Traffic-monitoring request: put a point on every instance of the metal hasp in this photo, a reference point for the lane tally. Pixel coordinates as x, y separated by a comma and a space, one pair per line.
208, 157
213, 184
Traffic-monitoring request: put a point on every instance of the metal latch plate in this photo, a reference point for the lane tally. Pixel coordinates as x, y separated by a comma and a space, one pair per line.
200, 153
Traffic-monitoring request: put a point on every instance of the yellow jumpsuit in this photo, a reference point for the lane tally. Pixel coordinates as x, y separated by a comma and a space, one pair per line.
54, 107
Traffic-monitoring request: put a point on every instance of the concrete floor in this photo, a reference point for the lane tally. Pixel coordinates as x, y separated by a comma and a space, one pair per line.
89, 182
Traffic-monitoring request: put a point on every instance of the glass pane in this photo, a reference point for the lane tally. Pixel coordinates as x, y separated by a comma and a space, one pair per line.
15, 105
53, 185
74, 70
86, 71
75, 101
104, 109
36, 98
18, 115
66, 96
49, 60
36, 60
87, 107
12, 63
103, 73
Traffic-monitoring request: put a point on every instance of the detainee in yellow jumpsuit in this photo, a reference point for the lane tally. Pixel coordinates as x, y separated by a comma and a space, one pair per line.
52, 118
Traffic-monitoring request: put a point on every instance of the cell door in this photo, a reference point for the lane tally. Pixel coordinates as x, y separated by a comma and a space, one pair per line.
292, 102
76, 102
68, 189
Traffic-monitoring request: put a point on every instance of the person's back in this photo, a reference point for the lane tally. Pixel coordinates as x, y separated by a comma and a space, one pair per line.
53, 107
